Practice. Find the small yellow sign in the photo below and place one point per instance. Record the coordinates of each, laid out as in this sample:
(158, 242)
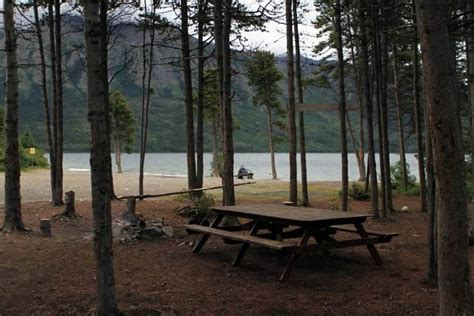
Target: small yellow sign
(32, 150)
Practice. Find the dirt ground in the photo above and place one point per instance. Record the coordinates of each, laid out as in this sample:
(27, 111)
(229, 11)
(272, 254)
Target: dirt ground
(55, 276)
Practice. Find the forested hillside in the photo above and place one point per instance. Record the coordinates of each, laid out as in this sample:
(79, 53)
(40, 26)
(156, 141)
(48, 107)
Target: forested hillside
(167, 107)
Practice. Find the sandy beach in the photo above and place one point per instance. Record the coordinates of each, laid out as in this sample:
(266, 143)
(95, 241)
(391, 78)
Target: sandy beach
(35, 185)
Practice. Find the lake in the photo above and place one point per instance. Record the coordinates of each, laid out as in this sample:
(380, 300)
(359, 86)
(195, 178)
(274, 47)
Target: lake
(321, 166)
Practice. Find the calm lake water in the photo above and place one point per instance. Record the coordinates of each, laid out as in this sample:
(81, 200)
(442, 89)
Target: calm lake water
(321, 166)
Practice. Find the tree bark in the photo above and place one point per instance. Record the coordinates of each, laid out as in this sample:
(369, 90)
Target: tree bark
(270, 141)
(384, 106)
(369, 108)
(200, 97)
(227, 124)
(470, 63)
(58, 192)
(100, 160)
(291, 103)
(188, 97)
(44, 93)
(13, 220)
(299, 88)
(70, 210)
(448, 157)
(52, 54)
(360, 155)
(146, 91)
(118, 155)
(218, 25)
(215, 150)
(376, 56)
(401, 132)
(418, 117)
(342, 108)
(431, 204)
(105, 69)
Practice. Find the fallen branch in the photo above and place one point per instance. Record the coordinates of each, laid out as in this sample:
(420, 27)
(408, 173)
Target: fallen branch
(148, 196)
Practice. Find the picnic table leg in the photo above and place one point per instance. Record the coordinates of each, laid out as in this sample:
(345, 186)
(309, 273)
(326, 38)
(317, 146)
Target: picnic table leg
(303, 241)
(245, 246)
(373, 251)
(205, 237)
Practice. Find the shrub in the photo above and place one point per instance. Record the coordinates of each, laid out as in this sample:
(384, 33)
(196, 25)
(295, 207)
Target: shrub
(396, 176)
(357, 192)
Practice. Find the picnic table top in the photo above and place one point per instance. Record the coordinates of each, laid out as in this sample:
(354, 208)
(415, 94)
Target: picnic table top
(291, 215)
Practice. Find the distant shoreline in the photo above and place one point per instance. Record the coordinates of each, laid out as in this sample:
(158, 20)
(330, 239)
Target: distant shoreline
(35, 184)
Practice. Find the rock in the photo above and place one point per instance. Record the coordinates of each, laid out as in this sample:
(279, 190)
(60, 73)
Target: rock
(142, 231)
(149, 233)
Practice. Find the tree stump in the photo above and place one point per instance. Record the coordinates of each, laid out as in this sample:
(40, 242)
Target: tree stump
(45, 227)
(130, 217)
(70, 210)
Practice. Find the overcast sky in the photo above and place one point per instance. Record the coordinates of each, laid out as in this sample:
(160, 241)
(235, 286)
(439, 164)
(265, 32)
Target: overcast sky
(274, 38)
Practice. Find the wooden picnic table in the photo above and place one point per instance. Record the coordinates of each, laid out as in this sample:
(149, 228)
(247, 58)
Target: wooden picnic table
(289, 228)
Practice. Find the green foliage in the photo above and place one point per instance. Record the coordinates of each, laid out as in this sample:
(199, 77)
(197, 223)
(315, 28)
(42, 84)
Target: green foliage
(357, 192)
(31, 157)
(122, 121)
(203, 204)
(29, 160)
(217, 163)
(26, 140)
(263, 76)
(396, 176)
(211, 96)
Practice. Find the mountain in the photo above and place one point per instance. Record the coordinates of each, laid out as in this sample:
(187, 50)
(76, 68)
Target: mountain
(167, 120)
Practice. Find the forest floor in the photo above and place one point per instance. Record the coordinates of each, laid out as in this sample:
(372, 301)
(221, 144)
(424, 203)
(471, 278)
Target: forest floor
(56, 275)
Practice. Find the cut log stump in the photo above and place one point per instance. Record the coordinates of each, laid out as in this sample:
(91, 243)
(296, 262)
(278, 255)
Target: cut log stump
(45, 227)
(70, 210)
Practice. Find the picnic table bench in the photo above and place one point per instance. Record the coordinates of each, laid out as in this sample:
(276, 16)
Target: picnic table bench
(289, 228)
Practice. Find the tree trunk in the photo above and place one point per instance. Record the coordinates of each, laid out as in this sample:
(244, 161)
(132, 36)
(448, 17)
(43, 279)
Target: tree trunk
(418, 116)
(470, 63)
(291, 103)
(227, 124)
(218, 25)
(44, 93)
(448, 158)
(188, 97)
(148, 72)
(369, 108)
(360, 155)
(431, 204)
(118, 155)
(215, 150)
(270, 141)
(52, 54)
(200, 97)
(58, 192)
(384, 107)
(299, 87)
(376, 56)
(13, 220)
(105, 69)
(106, 302)
(342, 108)
(401, 133)
(357, 155)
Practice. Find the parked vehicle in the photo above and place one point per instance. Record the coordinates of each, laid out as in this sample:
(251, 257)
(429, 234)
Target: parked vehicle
(243, 172)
